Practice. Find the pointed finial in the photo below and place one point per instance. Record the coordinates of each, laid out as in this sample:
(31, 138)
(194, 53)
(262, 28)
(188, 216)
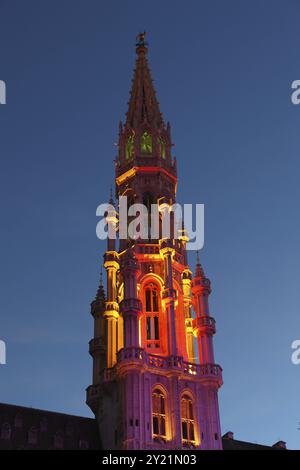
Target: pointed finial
(169, 130)
(100, 295)
(111, 199)
(120, 128)
(199, 270)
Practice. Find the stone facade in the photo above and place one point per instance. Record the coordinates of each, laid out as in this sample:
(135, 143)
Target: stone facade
(29, 428)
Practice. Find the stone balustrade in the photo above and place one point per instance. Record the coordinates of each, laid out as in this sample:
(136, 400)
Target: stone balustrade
(96, 344)
(205, 322)
(168, 164)
(93, 397)
(167, 363)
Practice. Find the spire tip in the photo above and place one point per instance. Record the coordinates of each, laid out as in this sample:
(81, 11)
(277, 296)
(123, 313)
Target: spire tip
(141, 44)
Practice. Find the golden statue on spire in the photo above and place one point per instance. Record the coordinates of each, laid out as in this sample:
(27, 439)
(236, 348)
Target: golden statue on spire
(140, 39)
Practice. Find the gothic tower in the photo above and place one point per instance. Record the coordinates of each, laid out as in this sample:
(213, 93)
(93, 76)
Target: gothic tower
(149, 390)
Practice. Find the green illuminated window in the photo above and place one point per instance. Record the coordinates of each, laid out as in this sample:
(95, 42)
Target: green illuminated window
(162, 147)
(129, 147)
(146, 143)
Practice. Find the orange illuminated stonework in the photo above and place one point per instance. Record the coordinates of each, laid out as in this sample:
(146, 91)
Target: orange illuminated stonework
(155, 380)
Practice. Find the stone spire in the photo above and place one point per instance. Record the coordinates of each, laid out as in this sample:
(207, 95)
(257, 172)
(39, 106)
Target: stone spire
(199, 270)
(143, 107)
(111, 199)
(144, 132)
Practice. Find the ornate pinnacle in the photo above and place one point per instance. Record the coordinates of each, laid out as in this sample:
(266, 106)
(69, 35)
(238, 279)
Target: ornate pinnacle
(111, 199)
(199, 270)
(100, 296)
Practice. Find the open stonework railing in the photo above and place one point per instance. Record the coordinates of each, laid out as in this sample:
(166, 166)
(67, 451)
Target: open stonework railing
(175, 363)
(147, 249)
(131, 354)
(205, 320)
(96, 344)
(93, 393)
(206, 323)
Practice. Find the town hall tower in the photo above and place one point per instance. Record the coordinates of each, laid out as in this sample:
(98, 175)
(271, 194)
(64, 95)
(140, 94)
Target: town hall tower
(155, 380)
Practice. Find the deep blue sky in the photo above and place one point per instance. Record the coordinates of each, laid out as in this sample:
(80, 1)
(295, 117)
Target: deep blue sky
(223, 72)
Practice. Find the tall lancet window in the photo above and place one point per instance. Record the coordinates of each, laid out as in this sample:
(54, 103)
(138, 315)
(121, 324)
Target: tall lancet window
(148, 201)
(146, 143)
(187, 420)
(158, 414)
(162, 147)
(152, 316)
(129, 147)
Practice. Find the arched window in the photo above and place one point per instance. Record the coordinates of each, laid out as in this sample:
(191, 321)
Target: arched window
(32, 436)
(129, 147)
(158, 414)
(152, 316)
(146, 143)
(43, 424)
(162, 147)
(18, 421)
(6, 431)
(58, 440)
(148, 201)
(187, 420)
(69, 426)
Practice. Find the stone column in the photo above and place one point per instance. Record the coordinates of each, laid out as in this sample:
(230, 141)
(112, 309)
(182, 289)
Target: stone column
(186, 287)
(111, 314)
(130, 306)
(203, 325)
(169, 294)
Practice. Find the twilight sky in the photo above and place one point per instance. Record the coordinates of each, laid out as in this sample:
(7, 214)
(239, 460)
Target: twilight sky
(222, 71)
